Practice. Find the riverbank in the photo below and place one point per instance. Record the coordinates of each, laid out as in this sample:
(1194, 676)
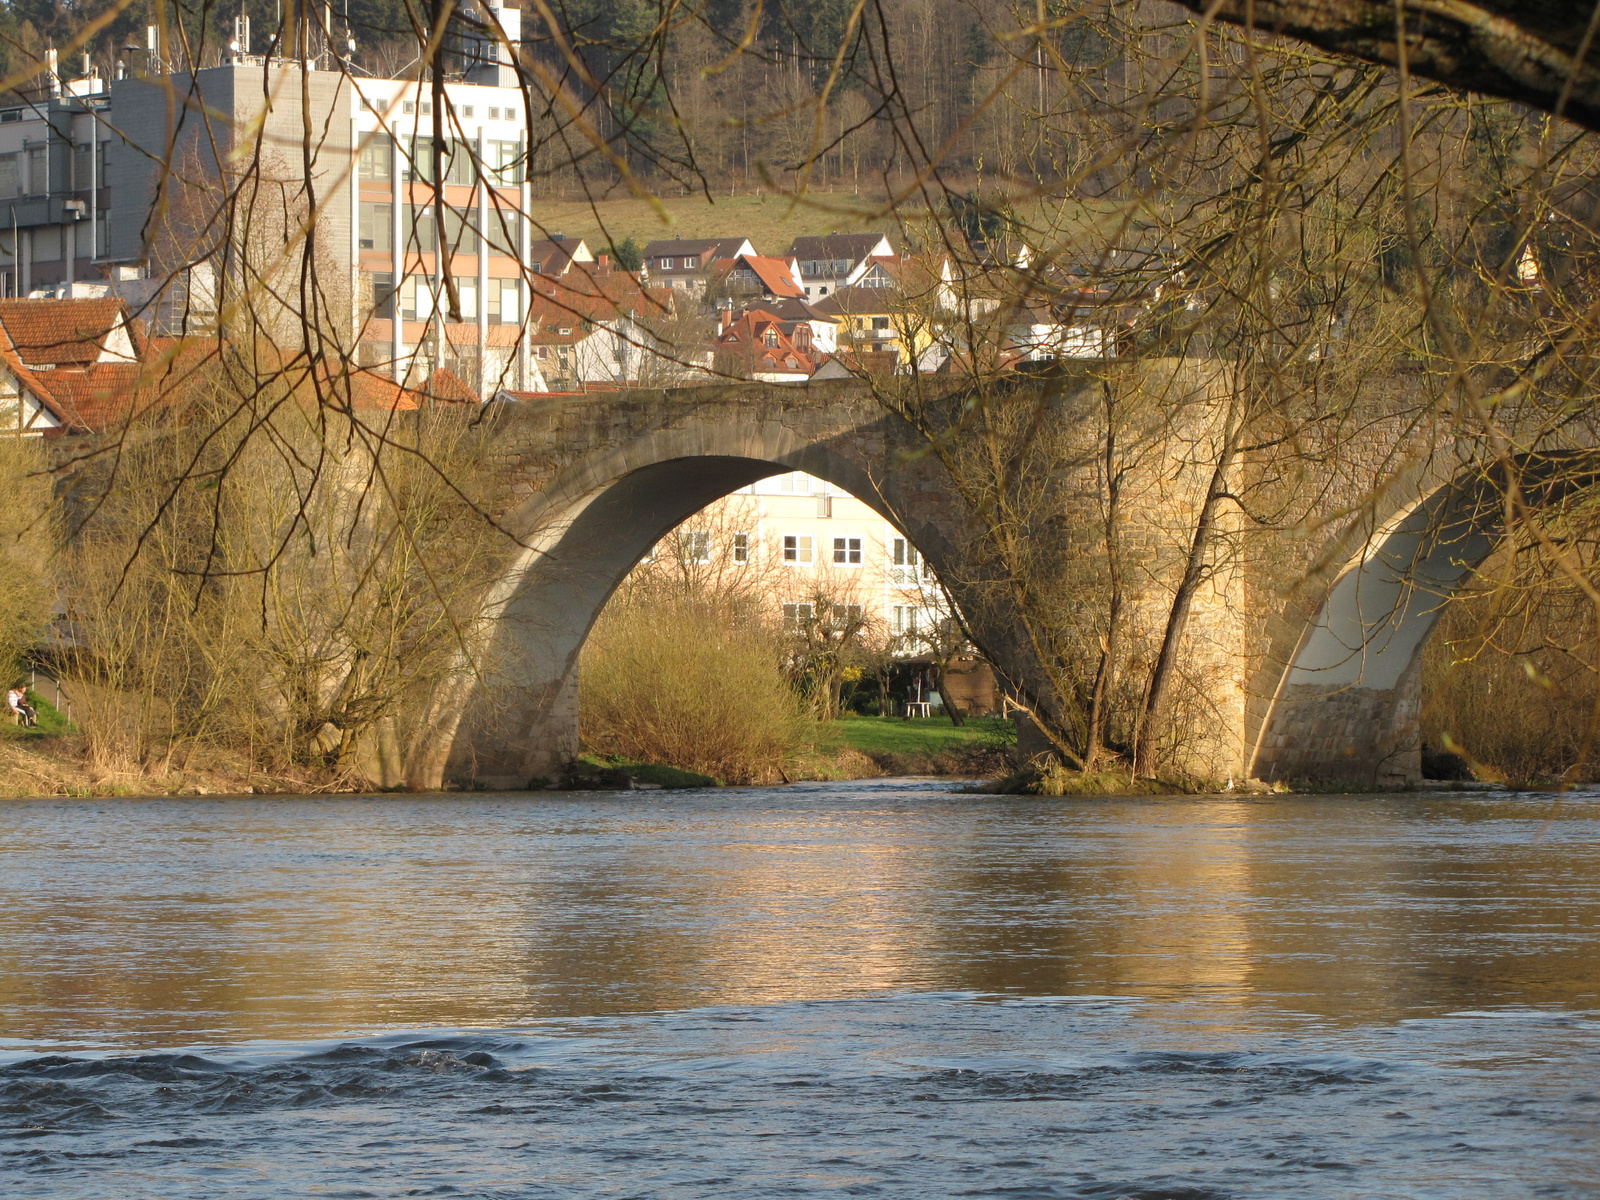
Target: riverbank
(52, 761)
(58, 766)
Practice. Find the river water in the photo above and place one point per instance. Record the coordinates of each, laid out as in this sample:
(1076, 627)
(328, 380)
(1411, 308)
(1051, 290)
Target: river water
(869, 989)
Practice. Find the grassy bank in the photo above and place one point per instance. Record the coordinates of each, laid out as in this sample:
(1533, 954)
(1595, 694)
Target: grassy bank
(852, 747)
(50, 761)
(855, 747)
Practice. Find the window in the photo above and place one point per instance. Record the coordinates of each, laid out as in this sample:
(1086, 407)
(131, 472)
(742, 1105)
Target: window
(772, 337)
(460, 159)
(82, 170)
(416, 298)
(466, 110)
(418, 234)
(741, 547)
(505, 302)
(38, 171)
(47, 243)
(880, 322)
(666, 264)
(822, 291)
(694, 545)
(460, 232)
(905, 619)
(904, 561)
(504, 234)
(375, 157)
(10, 175)
(427, 108)
(377, 226)
(505, 159)
(408, 108)
(796, 615)
(463, 165)
(847, 551)
(380, 300)
(846, 617)
(797, 547)
(494, 113)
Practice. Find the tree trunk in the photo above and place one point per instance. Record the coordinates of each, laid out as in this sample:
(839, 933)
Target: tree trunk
(1105, 671)
(1194, 574)
(941, 680)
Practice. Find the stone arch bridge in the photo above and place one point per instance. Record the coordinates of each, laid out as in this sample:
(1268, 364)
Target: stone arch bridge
(1319, 680)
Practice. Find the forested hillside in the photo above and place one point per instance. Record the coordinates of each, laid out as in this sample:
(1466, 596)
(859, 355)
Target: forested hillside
(717, 94)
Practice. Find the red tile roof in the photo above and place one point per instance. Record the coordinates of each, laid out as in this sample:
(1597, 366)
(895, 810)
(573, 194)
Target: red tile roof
(56, 332)
(772, 273)
(759, 341)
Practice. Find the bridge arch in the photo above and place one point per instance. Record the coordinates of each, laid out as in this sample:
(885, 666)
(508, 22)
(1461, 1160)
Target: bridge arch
(580, 533)
(1340, 696)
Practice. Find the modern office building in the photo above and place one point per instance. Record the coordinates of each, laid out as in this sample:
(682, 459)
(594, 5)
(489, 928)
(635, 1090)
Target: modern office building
(174, 189)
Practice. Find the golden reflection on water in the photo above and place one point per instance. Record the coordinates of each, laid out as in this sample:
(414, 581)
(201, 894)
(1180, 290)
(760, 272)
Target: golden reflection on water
(165, 922)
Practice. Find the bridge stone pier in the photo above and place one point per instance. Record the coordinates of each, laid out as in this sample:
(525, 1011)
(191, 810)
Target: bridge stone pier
(1318, 681)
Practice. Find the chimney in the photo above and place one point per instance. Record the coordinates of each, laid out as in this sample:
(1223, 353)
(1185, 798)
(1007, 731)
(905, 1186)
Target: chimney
(603, 262)
(724, 318)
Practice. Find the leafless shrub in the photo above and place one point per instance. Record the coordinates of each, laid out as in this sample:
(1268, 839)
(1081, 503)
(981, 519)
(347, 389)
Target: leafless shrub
(679, 679)
(27, 554)
(296, 608)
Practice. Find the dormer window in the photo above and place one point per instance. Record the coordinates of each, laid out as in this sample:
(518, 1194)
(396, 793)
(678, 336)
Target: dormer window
(772, 337)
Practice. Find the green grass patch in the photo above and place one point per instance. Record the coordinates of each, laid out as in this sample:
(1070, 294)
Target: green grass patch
(51, 722)
(917, 736)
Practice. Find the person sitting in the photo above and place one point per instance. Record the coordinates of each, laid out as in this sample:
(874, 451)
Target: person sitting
(21, 711)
